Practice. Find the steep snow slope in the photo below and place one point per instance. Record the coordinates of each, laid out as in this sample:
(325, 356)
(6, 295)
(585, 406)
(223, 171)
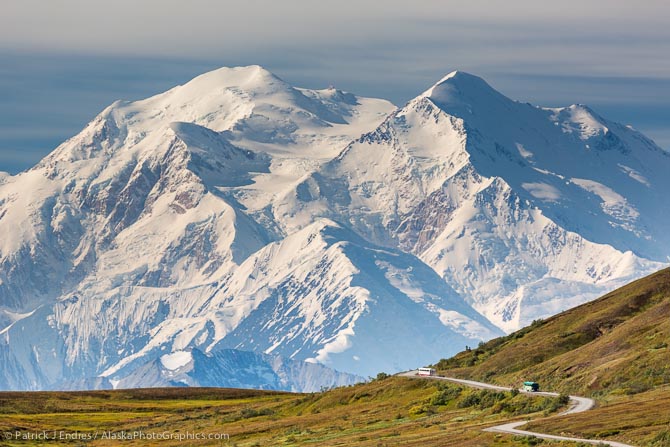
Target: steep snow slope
(525, 211)
(167, 163)
(592, 176)
(327, 295)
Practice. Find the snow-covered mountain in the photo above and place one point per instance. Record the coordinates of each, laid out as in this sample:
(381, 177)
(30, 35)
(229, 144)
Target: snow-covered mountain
(524, 211)
(232, 368)
(239, 212)
(229, 368)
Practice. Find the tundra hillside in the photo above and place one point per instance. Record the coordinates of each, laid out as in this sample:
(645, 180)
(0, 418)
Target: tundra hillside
(614, 349)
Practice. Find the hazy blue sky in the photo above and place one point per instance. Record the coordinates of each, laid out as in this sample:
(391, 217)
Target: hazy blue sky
(64, 61)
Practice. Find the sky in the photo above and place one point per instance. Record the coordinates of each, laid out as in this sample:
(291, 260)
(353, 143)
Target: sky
(62, 62)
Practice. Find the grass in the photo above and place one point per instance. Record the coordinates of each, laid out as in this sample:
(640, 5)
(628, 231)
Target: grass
(616, 344)
(614, 349)
(387, 412)
(641, 419)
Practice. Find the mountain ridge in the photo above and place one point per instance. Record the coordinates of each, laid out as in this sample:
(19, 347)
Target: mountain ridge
(423, 157)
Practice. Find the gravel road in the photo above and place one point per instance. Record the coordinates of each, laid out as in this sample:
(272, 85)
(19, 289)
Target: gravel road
(578, 404)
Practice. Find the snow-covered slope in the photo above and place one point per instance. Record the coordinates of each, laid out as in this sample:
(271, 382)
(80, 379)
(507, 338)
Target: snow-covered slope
(336, 299)
(235, 369)
(525, 211)
(148, 181)
(239, 212)
(322, 295)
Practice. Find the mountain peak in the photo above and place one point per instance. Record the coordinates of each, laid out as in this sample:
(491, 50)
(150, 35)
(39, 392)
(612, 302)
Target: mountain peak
(460, 80)
(243, 75)
(457, 75)
(250, 79)
(459, 91)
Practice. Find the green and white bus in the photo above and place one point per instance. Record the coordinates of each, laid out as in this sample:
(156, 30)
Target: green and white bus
(531, 387)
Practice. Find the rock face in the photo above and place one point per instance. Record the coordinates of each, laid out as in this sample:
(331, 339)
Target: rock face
(239, 212)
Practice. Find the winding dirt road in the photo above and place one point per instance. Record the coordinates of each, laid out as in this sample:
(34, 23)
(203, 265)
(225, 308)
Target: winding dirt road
(578, 404)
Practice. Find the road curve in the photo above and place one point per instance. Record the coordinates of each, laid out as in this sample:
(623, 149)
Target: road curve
(578, 404)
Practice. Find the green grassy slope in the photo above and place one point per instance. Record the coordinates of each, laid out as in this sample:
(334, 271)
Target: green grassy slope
(394, 411)
(615, 344)
(642, 419)
(614, 349)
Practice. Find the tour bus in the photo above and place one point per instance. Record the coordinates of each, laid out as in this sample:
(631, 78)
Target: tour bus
(426, 372)
(531, 386)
